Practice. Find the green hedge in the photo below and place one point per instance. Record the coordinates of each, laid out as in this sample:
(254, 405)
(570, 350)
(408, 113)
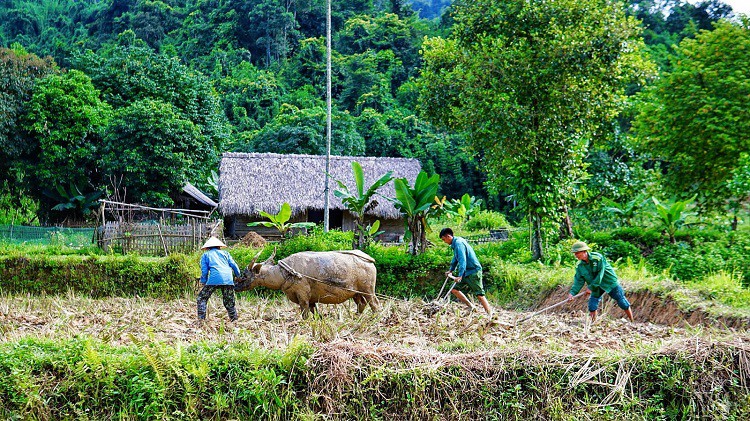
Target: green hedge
(697, 252)
(98, 276)
(402, 275)
(399, 273)
(84, 379)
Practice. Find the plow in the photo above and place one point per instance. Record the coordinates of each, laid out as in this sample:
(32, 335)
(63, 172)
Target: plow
(434, 306)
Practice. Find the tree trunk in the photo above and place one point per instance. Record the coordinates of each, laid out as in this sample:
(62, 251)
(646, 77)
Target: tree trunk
(537, 251)
(422, 235)
(566, 225)
(358, 239)
(415, 234)
(734, 222)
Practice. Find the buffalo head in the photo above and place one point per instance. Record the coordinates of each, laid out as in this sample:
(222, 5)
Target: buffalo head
(250, 276)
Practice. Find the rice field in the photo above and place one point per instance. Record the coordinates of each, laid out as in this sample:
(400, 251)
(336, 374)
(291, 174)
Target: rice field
(273, 323)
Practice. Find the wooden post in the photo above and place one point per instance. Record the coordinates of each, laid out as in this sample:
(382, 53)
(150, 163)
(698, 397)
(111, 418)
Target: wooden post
(163, 243)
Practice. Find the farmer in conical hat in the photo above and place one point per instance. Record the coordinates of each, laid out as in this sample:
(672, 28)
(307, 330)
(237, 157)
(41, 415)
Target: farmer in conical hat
(217, 268)
(594, 270)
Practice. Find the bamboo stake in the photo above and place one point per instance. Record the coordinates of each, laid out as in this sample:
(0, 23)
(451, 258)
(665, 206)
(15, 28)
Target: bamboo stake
(163, 243)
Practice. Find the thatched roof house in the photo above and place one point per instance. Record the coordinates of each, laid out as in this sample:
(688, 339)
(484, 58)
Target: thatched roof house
(251, 182)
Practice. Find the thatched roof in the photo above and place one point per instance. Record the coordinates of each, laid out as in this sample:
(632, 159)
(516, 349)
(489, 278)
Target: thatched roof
(251, 182)
(198, 195)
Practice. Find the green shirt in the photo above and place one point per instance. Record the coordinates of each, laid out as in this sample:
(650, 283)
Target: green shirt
(597, 273)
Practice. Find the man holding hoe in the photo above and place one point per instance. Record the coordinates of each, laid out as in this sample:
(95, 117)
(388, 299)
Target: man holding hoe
(467, 268)
(594, 270)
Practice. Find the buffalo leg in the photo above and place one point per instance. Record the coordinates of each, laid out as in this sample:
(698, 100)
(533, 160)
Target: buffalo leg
(304, 305)
(372, 300)
(361, 303)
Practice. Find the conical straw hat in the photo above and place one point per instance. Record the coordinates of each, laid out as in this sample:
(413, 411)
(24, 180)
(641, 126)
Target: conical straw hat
(213, 242)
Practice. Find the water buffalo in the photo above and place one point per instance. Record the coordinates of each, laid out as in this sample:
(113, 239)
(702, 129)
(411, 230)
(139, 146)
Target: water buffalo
(309, 277)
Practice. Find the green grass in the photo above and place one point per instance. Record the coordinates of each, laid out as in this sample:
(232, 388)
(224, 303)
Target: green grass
(84, 379)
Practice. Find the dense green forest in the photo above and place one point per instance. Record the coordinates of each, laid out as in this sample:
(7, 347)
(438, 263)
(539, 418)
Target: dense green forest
(541, 109)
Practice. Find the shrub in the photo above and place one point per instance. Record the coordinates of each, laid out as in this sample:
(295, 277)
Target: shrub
(404, 275)
(694, 236)
(645, 240)
(317, 240)
(21, 209)
(99, 276)
(619, 249)
(515, 249)
(687, 263)
(487, 220)
(598, 237)
(739, 259)
(559, 253)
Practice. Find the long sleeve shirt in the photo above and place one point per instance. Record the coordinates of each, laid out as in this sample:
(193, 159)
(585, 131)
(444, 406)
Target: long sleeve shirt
(464, 261)
(217, 267)
(597, 273)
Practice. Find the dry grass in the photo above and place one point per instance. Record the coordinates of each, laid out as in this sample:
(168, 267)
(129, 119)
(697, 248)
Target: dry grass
(274, 323)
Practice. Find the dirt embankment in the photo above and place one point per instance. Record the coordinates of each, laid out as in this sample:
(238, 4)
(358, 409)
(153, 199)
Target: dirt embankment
(647, 307)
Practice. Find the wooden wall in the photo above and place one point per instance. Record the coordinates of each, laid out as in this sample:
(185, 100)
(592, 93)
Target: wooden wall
(236, 226)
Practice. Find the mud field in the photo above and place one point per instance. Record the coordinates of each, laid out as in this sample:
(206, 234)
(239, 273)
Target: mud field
(273, 323)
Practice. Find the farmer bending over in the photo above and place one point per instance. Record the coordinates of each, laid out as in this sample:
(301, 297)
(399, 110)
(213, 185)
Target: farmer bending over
(594, 270)
(216, 273)
(467, 268)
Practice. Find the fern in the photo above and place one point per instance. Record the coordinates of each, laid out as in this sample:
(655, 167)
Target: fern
(153, 360)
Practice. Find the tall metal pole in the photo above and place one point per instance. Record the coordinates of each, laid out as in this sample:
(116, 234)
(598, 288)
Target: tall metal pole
(326, 221)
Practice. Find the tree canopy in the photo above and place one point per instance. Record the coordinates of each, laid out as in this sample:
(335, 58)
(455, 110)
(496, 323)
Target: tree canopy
(521, 101)
(696, 119)
(533, 126)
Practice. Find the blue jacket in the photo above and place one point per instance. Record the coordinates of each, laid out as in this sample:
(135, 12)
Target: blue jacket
(217, 267)
(464, 261)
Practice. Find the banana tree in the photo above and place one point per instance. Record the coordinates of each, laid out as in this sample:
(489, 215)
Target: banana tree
(466, 207)
(212, 181)
(442, 207)
(415, 204)
(73, 202)
(360, 201)
(626, 211)
(673, 216)
(280, 221)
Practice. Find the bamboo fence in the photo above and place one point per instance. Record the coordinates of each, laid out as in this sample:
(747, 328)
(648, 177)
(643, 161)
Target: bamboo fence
(156, 238)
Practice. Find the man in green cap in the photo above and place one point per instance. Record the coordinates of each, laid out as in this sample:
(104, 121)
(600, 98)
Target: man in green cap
(594, 270)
